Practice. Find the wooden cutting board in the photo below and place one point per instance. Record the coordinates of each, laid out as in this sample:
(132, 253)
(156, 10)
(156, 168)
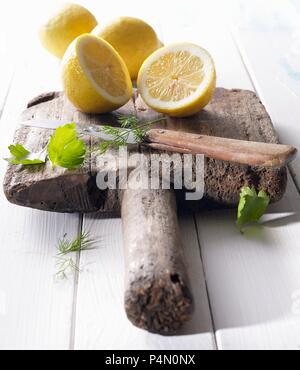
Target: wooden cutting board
(237, 114)
(157, 293)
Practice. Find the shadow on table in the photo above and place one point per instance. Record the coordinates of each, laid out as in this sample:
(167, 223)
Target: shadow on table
(251, 276)
(254, 231)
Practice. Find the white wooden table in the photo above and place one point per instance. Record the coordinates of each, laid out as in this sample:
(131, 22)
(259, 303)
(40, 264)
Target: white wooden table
(246, 287)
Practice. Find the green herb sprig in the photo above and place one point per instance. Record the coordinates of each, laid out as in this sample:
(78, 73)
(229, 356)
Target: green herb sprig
(129, 125)
(65, 148)
(252, 206)
(20, 155)
(67, 265)
(81, 243)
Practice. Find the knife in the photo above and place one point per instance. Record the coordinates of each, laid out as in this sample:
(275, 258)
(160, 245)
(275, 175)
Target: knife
(244, 152)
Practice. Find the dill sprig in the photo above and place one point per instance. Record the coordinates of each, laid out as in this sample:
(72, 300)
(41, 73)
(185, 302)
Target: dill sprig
(67, 265)
(82, 242)
(129, 125)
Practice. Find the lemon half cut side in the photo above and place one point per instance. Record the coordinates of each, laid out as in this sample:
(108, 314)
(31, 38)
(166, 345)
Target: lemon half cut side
(178, 79)
(94, 76)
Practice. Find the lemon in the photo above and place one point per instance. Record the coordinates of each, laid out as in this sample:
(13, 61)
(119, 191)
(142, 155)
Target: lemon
(95, 78)
(178, 79)
(133, 39)
(63, 27)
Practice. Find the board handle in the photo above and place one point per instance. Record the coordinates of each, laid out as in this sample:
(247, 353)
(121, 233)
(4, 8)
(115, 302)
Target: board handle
(236, 151)
(157, 291)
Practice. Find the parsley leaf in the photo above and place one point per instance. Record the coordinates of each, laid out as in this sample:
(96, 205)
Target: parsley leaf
(251, 206)
(20, 155)
(65, 149)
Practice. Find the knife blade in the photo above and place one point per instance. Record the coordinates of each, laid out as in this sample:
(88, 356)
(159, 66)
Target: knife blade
(90, 129)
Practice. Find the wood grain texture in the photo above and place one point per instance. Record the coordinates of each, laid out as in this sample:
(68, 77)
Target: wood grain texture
(236, 114)
(43, 187)
(157, 290)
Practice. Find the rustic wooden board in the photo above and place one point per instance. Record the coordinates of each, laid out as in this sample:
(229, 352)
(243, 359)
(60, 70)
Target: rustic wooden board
(234, 113)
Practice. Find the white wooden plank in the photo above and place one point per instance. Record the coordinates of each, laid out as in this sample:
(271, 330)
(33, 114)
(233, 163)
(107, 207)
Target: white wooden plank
(101, 321)
(36, 310)
(268, 36)
(252, 277)
(7, 66)
(6, 71)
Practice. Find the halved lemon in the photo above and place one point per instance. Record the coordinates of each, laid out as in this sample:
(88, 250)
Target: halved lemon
(95, 78)
(178, 79)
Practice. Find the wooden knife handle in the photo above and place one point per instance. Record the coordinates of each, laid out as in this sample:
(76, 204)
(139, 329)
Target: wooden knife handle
(237, 151)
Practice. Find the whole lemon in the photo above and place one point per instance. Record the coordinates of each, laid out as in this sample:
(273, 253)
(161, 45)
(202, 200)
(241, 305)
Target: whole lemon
(133, 39)
(70, 21)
